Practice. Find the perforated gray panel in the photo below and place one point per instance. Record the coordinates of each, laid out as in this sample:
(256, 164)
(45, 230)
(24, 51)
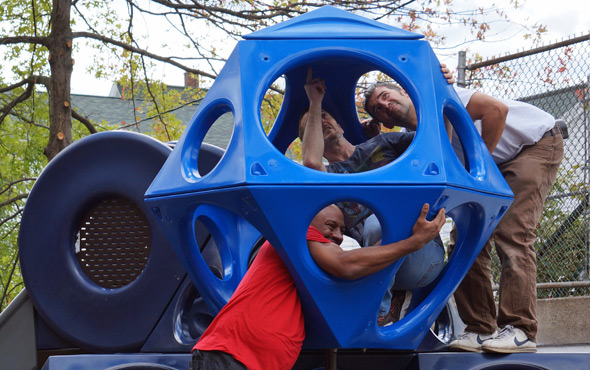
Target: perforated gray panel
(114, 242)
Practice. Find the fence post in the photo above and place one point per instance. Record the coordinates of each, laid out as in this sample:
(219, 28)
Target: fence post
(461, 67)
(585, 102)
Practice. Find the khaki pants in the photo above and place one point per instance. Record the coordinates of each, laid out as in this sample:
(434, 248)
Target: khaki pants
(530, 175)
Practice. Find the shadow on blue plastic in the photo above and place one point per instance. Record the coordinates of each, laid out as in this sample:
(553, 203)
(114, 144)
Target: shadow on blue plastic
(255, 190)
(179, 328)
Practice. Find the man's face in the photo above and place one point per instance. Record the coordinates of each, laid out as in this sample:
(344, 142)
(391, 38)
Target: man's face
(392, 108)
(330, 128)
(330, 222)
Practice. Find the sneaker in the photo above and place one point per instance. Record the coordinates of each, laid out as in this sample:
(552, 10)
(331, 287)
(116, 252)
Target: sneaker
(510, 340)
(396, 310)
(470, 342)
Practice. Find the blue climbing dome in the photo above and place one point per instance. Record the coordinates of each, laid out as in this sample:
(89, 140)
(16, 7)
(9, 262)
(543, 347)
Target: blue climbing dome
(255, 190)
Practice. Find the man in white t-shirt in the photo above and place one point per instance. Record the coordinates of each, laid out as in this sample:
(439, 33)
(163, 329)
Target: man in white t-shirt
(527, 146)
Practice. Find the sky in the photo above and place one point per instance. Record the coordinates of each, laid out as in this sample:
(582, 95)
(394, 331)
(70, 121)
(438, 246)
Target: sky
(563, 19)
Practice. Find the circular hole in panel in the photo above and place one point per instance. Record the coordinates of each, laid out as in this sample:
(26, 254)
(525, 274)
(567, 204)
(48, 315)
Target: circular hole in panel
(220, 132)
(356, 132)
(192, 317)
(270, 109)
(272, 101)
(448, 325)
(466, 151)
(347, 74)
(350, 233)
(353, 225)
(208, 248)
(255, 250)
(384, 99)
(210, 135)
(113, 242)
(222, 237)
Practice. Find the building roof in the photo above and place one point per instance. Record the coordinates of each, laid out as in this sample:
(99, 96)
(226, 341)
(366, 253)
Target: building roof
(122, 112)
(556, 102)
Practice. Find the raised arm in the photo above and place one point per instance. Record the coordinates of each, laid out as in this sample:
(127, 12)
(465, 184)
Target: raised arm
(360, 262)
(492, 114)
(312, 141)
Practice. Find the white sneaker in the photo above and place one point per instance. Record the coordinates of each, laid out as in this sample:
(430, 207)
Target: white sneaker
(510, 340)
(471, 342)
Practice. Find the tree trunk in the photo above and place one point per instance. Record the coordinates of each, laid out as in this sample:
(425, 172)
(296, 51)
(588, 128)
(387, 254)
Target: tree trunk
(60, 63)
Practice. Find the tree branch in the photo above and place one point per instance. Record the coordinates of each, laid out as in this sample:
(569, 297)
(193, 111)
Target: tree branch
(18, 212)
(254, 14)
(31, 81)
(34, 79)
(22, 97)
(14, 263)
(8, 186)
(141, 52)
(39, 40)
(85, 121)
(14, 199)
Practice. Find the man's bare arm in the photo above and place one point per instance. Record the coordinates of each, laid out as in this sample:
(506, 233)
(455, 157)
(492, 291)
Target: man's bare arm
(360, 262)
(312, 144)
(492, 114)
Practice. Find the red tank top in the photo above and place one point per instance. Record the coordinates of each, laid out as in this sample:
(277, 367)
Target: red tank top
(262, 324)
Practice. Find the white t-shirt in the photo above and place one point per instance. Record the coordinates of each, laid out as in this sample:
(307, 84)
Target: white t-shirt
(525, 125)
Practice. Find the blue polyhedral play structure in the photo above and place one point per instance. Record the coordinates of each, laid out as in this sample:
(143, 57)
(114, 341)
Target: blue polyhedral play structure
(255, 188)
(129, 248)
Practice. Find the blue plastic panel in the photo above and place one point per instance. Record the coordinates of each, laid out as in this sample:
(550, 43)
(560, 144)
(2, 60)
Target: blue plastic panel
(256, 190)
(82, 312)
(120, 362)
(345, 361)
(514, 361)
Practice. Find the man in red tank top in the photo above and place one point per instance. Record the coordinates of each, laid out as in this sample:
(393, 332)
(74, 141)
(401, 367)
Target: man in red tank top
(262, 327)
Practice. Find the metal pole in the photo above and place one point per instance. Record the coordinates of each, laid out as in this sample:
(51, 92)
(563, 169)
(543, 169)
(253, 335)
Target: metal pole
(556, 45)
(330, 359)
(556, 285)
(461, 68)
(585, 103)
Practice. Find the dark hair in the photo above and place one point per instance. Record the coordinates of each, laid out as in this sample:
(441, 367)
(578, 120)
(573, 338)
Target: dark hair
(371, 90)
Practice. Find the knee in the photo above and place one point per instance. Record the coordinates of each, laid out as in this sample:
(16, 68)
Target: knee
(371, 231)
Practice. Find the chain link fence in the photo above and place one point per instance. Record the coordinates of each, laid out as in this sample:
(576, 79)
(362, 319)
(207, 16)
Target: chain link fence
(555, 78)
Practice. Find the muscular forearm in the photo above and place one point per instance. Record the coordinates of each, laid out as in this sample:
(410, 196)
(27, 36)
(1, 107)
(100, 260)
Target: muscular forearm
(492, 113)
(372, 259)
(361, 262)
(312, 146)
(492, 127)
